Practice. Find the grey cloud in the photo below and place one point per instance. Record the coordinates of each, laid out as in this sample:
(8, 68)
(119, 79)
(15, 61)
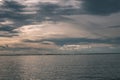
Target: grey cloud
(8, 35)
(66, 41)
(12, 11)
(85, 40)
(6, 28)
(53, 12)
(101, 7)
(92, 7)
(115, 26)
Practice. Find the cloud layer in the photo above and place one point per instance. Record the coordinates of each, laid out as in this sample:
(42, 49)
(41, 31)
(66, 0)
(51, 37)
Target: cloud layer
(57, 25)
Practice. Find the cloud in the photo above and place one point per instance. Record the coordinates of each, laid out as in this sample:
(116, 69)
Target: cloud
(85, 40)
(102, 7)
(89, 48)
(115, 26)
(79, 47)
(50, 11)
(98, 25)
(54, 12)
(47, 30)
(21, 14)
(6, 28)
(58, 22)
(81, 7)
(11, 10)
(11, 16)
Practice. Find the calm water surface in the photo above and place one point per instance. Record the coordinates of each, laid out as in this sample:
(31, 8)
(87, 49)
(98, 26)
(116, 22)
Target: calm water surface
(60, 67)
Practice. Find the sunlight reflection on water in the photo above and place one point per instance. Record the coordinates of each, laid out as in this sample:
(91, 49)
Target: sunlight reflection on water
(60, 67)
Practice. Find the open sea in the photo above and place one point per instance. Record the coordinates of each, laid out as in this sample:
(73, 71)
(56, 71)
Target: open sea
(60, 67)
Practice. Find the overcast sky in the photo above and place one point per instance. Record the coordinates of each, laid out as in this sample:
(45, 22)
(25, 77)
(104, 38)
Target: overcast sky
(59, 26)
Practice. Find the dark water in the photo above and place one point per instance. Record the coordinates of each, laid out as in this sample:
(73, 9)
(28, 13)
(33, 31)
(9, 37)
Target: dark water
(60, 67)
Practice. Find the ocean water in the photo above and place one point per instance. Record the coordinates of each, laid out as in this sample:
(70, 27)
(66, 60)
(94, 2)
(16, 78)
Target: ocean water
(60, 67)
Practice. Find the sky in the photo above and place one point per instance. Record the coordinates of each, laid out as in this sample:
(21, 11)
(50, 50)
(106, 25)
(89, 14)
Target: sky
(59, 26)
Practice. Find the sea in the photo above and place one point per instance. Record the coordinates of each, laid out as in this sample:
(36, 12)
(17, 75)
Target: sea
(60, 67)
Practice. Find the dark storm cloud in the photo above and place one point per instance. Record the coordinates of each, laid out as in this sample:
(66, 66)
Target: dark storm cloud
(101, 7)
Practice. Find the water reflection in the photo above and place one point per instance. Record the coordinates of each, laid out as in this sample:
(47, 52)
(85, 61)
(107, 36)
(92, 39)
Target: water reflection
(10, 68)
(82, 67)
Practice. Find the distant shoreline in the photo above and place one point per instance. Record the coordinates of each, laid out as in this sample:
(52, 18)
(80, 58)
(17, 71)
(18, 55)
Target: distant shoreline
(57, 54)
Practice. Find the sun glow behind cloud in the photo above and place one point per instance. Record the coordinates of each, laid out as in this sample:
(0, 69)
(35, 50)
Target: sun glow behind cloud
(51, 30)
